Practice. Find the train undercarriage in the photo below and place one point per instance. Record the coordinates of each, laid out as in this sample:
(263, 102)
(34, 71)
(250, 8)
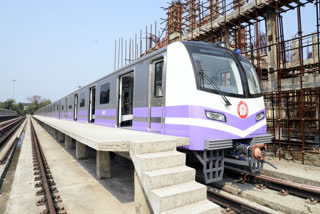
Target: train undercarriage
(245, 154)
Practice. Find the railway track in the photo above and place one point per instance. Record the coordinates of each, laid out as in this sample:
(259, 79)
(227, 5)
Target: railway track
(312, 193)
(7, 128)
(42, 173)
(6, 132)
(7, 144)
(284, 187)
(231, 205)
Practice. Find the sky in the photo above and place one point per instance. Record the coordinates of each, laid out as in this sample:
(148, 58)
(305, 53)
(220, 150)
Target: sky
(52, 47)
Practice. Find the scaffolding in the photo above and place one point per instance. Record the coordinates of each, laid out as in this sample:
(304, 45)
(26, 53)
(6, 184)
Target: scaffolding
(288, 71)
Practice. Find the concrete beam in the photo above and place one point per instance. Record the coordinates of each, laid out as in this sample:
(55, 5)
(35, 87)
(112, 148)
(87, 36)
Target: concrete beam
(81, 151)
(68, 142)
(103, 164)
(140, 199)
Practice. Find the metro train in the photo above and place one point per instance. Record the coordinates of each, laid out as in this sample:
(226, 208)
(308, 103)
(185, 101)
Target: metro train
(199, 90)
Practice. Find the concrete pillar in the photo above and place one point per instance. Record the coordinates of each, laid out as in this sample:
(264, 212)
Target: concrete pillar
(315, 50)
(226, 37)
(295, 55)
(56, 134)
(51, 131)
(68, 142)
(140, 199)
(272, 48)
(103, 164)
(60, 137)
(81, 151)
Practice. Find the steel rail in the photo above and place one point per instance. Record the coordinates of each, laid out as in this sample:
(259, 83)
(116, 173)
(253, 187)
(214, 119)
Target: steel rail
(297, 189)
(8, 121)
(45, 183)
(13, 144)
(9, 155)
(3, 157)
(6, 135)
(235, 205)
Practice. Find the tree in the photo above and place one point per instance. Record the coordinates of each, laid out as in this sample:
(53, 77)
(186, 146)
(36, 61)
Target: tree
(36, 103)
(8, 104)
(11, 105)
(36, 99)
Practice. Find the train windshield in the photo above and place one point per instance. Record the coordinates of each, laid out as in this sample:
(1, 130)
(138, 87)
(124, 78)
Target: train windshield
(252, 78)
(216, 69)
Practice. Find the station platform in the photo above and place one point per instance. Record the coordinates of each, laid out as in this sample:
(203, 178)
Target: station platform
(291, 171)
(79, 191)
(102, 138)
(162, 182)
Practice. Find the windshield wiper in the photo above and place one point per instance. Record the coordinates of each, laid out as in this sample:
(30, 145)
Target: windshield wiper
(206, 77)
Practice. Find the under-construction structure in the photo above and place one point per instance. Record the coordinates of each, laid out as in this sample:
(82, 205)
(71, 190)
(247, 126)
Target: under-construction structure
(287, 61)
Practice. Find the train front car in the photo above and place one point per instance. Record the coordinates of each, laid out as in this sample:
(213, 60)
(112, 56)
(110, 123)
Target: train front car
(214, 98)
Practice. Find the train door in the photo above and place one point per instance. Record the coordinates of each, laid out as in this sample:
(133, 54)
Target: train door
(92, 104)
(126, 88)
(156, 96)
(75, 108)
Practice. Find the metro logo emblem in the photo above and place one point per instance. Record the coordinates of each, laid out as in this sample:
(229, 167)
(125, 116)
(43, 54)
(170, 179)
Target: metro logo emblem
(243, 109)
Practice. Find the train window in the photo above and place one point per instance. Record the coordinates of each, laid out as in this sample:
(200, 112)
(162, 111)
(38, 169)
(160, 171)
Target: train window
(217, 70)
(158, 89)
(253, 80)
(70, 103)
(105, 93)
(82, 100)
(62, 107)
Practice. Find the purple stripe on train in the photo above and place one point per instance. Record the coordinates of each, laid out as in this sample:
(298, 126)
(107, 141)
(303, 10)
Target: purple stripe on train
(83, 113)
(157, 111)
(197, 112)
(140, 126)
(102, 122)
(106, 112)
(140, 112)
(198, 135)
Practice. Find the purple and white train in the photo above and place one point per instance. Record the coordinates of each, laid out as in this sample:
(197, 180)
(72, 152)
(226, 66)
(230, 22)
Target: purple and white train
(202, 91)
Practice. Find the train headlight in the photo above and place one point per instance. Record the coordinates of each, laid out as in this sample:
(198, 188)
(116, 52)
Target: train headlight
(260, 116)
(216, 116)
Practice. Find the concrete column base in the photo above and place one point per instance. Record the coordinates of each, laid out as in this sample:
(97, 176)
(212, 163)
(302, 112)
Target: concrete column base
(55, 134)
(50, 130)
(68, 142)
(81, 151)
(60, 137)
(103, 164)
(140, 199)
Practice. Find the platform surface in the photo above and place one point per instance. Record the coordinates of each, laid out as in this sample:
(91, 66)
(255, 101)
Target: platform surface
(102, 138)
(296, 172)
(79, 191)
